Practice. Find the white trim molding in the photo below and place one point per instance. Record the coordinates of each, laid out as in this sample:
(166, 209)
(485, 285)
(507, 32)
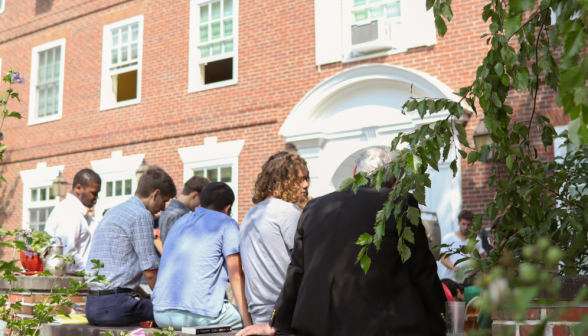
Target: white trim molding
(107, 95)
(40, 177)
(34, 80)
(116, 168)
(213, 154)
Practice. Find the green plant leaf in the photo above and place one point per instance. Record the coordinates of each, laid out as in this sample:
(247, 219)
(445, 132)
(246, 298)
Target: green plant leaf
(365, 263)
(512, 23)
(499, 68)
(460, 129)
(364, 239)
(422, 108)
(403, 250)
(440, 25)
(509, 161)
(518, 6)
(414, 215)
(414, 162)
(411, 105)
(360, 180)
(496, 100)
(361, 253)
(346, 184)
(408, 235)
(453, 167)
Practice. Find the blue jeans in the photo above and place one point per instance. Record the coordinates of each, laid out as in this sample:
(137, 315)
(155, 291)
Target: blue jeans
(176, 318)
(122, 309)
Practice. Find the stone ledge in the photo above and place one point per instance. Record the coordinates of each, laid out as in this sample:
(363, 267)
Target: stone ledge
(42, 283)
(89, 330)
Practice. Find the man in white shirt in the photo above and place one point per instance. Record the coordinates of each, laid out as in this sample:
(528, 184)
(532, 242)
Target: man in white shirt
(68, 219)
(457, 239)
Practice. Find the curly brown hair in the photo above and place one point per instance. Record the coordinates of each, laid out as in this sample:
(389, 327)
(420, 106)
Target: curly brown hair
(279, 178)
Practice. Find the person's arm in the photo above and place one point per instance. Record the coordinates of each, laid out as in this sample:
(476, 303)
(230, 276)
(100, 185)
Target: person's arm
(151, 277)
(68, 230)
(237, 279)
(447, 263)
(423, 271)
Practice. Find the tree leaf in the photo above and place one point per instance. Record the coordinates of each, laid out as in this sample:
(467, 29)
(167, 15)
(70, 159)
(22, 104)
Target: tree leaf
(403, 250)
(360, 180)
(494, 28)
(361, 253)
(463, 153)
(408, 235)
(460, 129)
(499, 68)
(505, 80)
(573, 38)
(430, 4)
(15, 115)
(346, 184)
(446, 12)
(365, 263)
(512, 23)
(419, 195)
(518, 6)
(414, 161)
(509, 161)
(431, 106)
(453, 167)
(414, 215)
(440, 25)
(422, 107)
(364, 239)
(496, 100)
(411, 105)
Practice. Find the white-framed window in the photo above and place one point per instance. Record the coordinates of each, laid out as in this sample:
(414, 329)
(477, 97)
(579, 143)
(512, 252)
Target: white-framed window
(2, 6)
(46, 99)
(219, 162)
(119, 180)
(213, 44)
(38, 198)
(122, 55)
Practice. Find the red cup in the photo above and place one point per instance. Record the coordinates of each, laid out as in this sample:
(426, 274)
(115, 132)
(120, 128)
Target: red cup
(146, 324)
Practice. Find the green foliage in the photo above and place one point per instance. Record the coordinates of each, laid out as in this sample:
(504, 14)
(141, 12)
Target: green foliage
(165, 332)
(543, 204)
(4, 113)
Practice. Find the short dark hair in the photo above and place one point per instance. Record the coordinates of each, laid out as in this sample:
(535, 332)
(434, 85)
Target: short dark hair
(156, 178)
(195, 183)
(465, 214)
(85, 178)
(216, 196)
(453, 286)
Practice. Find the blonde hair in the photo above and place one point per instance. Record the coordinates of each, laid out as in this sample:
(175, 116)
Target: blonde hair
(279, 178)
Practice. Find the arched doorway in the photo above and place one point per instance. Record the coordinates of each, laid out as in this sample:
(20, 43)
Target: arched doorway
(361, 107)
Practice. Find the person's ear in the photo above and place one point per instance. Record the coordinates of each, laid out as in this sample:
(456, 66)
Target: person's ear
(194, 195)
(156, 193)
(227, 210)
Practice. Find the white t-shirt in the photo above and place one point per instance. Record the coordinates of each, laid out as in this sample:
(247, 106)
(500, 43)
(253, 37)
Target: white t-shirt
(452, 238)
(267, 239)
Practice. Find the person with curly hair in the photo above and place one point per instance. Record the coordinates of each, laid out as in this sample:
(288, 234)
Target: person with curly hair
(267, 232)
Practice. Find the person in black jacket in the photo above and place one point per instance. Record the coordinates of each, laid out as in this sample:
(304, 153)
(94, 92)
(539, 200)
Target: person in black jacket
(326, 293)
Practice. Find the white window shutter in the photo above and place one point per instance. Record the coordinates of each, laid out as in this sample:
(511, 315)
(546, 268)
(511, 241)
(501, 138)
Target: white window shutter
(418, 24)
(328, 31)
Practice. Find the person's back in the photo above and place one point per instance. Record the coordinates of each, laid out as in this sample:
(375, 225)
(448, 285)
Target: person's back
(393, 298)
(267, 237)
(201, 253)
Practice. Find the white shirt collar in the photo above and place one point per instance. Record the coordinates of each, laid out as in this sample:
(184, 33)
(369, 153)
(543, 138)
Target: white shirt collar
(75, 203)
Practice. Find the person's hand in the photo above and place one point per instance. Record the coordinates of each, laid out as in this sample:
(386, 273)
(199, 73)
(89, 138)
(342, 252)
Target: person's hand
(257, 329)
(455, 268)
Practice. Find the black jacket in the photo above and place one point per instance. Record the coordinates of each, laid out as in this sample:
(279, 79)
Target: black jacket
(326, 293)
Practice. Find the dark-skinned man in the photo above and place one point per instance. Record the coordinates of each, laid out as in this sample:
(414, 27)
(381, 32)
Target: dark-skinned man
(68, 219)
(123, 242)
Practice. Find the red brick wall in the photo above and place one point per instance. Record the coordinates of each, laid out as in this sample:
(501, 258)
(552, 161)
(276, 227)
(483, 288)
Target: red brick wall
(276, 69)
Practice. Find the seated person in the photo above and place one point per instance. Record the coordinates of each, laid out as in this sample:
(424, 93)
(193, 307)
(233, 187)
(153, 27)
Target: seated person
(457, 290)
(124, 243)
(200, 253)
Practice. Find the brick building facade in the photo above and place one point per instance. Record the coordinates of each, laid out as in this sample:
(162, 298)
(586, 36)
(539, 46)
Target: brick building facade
(215, 87)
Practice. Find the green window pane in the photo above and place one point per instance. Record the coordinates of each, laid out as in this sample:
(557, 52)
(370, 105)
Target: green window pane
(377, 12)
(361, 15)
(228, 27)
(216, 30)
(115, 37)
(42, 67)
(34, 195)
(51, 195)
(226, 174)
(372, 1)
(215, 12)
(227, 8)
(205, 51)
(199, 173)
(358, 2)
(134, 51)
(34, 218)
(125, 35)
(42, 100)
(49, 103)
(212, 174)
(229, 46)
(135, 32)
(114, 56)
(217, 48)
(204, 14)
(128, 187)
(42, 194)
(204, 33)
(49, 67)
(56, 68)
(42, 216)
(124, 55)
(393, 9)
(118, 188)
(108, 189)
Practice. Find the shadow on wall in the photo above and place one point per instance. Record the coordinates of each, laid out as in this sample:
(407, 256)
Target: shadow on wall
(7, 207)
(43, 6)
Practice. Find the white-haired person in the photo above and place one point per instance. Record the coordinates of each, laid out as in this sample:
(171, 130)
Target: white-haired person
(326, 293)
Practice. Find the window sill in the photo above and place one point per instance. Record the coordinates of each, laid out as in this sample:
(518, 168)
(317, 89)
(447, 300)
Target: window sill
(350, 59)
(43, 120)
(121, 104)
(212, 86)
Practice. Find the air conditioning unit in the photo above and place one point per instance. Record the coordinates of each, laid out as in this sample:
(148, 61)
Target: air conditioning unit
(370, 37)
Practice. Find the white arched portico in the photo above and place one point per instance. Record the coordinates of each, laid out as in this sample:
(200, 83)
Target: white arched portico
(361, 107)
